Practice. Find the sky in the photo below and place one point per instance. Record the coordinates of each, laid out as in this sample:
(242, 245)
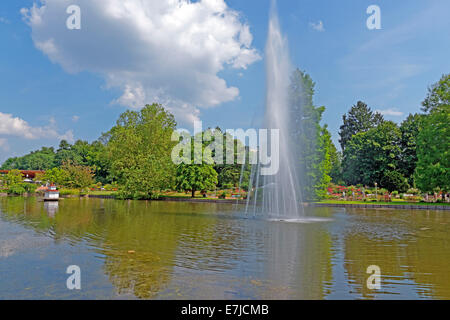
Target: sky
(204, 60)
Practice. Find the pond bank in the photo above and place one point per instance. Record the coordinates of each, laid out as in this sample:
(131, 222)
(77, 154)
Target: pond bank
(314, 204)
(380, 206)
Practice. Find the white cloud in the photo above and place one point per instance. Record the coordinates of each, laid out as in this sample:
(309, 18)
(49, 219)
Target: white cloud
(14, 126)
(390, 112)
(317, 26)
(155, 51)
(4, 20)
(75, 118)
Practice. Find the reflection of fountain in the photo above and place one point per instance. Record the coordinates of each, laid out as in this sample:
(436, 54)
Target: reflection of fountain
(51, 207)
(282, 200)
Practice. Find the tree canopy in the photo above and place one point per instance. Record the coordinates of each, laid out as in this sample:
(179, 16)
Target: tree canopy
(360, 118)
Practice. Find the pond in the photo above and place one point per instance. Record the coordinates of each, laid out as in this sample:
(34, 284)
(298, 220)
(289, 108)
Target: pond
(183, 250)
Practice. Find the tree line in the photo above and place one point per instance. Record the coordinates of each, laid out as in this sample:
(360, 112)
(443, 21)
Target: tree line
(414, 154)
(135, 154)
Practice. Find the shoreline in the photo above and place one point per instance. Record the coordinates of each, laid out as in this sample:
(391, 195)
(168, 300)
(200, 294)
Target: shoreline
(308, 204)
(418, 206)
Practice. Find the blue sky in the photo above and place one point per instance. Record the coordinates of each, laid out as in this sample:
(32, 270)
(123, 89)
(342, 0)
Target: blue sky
(69, 87)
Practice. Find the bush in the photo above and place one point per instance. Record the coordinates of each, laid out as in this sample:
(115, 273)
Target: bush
(16, 189)
(394, 180)
(394, 193)
(413, 191)
(30, 188)
(223, 195)
(69, 192)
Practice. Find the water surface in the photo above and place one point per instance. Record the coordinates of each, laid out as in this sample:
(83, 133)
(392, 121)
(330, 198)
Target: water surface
(181, 250)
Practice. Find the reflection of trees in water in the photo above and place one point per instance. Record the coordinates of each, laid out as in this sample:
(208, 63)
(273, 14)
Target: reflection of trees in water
(138, 239)
(405, 245)
(142, 274)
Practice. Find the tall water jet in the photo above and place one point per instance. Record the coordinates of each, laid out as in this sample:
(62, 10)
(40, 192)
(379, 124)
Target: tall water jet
(279, 194)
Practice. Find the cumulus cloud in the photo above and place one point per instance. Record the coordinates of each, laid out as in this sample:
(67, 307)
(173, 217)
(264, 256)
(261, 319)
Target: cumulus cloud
(154, 51)
(317, 26)
(390, 112)
(14, 126)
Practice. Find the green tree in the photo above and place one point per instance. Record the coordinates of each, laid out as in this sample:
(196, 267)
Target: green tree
(139, 149)
(370, 154)
(14, 177)
(409, 129)
(196, 177)
(77, 176)
(433, 142)
(43, 159)
(394, 181)
(336, 165)
(360, 118)
(314, 143)
(57, 176)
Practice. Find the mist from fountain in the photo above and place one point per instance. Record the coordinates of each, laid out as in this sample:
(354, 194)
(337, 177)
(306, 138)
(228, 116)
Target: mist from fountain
(277, 196)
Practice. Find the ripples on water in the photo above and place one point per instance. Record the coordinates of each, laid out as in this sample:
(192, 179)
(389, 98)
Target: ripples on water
(178, 250)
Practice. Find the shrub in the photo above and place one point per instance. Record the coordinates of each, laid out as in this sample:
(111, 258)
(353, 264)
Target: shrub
(69, 192)
(223, 195)
(413, 191)
(16, 189)
(30, 188)
(394, 180)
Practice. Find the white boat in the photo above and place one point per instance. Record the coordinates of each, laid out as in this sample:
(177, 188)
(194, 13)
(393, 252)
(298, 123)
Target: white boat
(51, 194)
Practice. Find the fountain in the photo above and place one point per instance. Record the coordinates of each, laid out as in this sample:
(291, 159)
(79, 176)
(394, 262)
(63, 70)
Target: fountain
(277, 196)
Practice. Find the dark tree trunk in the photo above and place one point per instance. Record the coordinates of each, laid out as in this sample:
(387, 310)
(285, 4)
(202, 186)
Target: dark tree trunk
(193, 193)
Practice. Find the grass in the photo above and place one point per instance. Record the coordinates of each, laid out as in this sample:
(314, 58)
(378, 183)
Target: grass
(102, 193)
(395, 202)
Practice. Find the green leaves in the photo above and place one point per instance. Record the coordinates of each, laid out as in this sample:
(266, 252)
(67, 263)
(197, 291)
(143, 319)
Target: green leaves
(433, 142)
(370, 154)
(139, 151)
(315, 145)
(360, 118)
(196, 177)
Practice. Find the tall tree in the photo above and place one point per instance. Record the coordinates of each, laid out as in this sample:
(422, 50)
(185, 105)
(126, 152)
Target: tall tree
(409, 129)
(313, 139)
(139, 148)
(360, 118)
(336, 165)
(433, 142)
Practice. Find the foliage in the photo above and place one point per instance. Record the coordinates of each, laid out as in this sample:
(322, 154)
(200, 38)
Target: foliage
(30, 187)
(438, 97)
(413, 191)
(370, 154)
(57, 176)
(314, 155)
(43, 159)
(77, 176)
(196, 177)
(14, 177)
(409, 129)
(16, 189)
(394, 180)
(336, 165)
(433, 142)
(139, 149)
(360, 118)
